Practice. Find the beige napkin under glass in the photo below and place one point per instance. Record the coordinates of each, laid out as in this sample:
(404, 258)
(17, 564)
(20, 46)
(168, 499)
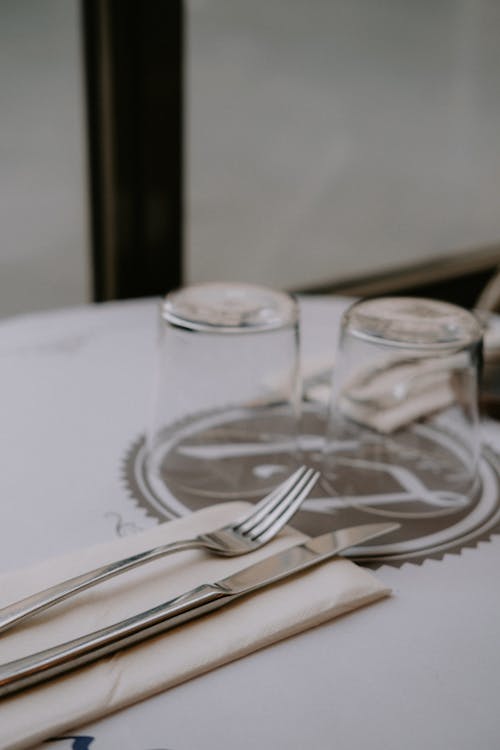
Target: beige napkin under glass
(166, 660)
(387, 399)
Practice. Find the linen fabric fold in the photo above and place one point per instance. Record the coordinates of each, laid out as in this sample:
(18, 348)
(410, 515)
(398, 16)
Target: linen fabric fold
(377, 404)
(117, 681)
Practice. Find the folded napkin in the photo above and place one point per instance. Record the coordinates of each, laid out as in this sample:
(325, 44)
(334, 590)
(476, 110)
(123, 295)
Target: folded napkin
(117, 681)
(386, 399)
(390, 399)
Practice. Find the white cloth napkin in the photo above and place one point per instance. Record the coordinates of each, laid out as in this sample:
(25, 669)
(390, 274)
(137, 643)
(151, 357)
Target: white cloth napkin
(388, 399)
(178, 655)
(399, 395)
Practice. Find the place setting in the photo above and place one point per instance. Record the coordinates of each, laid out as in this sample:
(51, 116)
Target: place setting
(395, 432)
(278, 498)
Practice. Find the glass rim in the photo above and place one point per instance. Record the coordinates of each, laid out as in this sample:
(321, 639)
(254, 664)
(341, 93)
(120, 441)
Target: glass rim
(229, 308)
(412, 323)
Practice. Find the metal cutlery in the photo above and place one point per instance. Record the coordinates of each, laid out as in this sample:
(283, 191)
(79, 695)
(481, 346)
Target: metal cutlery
(36, 668)
(249, 533)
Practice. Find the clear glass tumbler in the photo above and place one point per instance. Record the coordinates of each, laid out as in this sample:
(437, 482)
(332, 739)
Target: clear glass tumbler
(227, 402)
(402, 436)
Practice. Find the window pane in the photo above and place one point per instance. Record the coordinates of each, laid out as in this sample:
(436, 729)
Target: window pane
(335, 138)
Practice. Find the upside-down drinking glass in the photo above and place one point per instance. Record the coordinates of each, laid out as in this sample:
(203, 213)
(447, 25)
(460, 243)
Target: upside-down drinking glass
(403, 433)
(227, 401)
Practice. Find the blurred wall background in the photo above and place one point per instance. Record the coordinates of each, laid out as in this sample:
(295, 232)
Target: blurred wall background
(323, 140)
(43, 199)
(340, 137)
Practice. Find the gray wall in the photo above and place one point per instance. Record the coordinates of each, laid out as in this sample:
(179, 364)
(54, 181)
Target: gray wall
(324, 139)
(43, 211)
(331, 138)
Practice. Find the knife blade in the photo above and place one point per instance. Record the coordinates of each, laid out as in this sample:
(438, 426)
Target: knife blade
(31, 670)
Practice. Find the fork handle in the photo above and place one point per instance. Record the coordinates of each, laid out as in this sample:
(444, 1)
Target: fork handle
(14, 613)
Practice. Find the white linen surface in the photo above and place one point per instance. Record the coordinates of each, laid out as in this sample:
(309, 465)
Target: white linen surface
(112, 683)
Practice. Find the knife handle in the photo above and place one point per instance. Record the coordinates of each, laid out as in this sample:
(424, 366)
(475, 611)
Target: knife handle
(41, 666)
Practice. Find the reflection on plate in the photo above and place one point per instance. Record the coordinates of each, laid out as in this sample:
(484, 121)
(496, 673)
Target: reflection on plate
(230, 453)
(433, 523)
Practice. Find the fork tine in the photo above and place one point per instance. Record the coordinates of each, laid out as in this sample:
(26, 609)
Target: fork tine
(273, 513)
(269, 502)
(275, 509)
(271, 528)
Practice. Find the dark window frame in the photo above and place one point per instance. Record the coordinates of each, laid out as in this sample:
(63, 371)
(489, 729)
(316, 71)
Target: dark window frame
(133, 67)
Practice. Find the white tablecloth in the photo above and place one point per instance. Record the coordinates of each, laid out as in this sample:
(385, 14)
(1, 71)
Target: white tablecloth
(420, 671)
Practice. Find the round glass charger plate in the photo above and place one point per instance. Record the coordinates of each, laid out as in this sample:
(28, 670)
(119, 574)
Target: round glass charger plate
(430, 528)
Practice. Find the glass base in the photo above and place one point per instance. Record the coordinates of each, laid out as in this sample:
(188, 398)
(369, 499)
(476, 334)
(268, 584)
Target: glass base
(225, 454)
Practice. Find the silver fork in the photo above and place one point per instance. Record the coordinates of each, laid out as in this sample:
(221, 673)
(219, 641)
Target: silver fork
(263, 522)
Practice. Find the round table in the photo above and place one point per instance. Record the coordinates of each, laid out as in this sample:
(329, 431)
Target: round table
(419, 670)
